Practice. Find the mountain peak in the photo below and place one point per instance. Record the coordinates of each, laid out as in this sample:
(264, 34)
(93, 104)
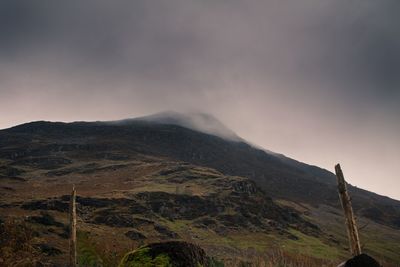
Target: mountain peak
(197, 121)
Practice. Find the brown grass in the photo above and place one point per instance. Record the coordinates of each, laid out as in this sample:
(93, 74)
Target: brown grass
(17, 247)
(277, 258)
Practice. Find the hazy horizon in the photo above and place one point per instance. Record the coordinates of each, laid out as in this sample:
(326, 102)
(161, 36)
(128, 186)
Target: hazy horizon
(317, 81)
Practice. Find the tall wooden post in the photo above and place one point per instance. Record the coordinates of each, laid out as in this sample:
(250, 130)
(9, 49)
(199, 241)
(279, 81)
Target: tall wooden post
(72, 221)
(352, 231)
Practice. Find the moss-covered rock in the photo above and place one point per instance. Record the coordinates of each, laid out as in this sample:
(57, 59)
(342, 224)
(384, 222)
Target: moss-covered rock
(143, 258)
(167, 254)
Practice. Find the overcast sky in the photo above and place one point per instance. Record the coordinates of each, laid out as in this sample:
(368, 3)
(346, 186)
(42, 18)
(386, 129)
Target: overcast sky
(316, 80)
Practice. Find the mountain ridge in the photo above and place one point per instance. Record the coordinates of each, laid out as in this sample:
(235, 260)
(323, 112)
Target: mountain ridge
(178, 119)
(232, 157)
(150, 181)
(186, 121)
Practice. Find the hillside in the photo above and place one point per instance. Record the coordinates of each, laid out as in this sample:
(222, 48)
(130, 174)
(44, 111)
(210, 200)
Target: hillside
(160, 178)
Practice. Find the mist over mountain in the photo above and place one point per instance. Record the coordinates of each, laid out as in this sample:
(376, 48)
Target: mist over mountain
(201, 122)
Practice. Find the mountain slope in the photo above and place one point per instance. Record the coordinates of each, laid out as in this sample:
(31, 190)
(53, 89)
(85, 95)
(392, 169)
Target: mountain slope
(279, 176)
(168, 174)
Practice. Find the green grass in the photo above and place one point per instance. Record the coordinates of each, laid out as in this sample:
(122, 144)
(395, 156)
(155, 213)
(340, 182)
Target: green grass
(87, 253)
(385, 247)
(142, 258)
(309, 245)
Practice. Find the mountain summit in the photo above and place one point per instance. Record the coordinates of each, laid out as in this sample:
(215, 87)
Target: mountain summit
(196, 121)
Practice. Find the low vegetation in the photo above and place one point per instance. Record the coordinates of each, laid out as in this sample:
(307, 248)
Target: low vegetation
(19, 244)
(142, 258)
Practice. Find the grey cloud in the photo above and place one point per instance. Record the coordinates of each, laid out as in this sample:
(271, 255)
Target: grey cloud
(333, 41)
(293, 76)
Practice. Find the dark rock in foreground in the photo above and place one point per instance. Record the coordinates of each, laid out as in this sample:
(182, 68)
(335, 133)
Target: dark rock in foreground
(362, 260)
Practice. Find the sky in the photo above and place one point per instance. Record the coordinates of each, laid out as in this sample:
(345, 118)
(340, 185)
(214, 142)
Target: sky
(316, 80)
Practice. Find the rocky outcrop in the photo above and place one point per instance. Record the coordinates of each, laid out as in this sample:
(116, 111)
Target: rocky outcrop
(135, 235)
(241, 205)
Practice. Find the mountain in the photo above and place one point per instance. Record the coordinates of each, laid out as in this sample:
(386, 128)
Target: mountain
(201, 122)
(181, 176)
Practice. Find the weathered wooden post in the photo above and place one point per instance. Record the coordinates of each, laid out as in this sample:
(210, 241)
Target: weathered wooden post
(352, 231)
(72, 223)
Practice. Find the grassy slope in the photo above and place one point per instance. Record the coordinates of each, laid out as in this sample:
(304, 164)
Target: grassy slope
(380, 241)
(143, 174)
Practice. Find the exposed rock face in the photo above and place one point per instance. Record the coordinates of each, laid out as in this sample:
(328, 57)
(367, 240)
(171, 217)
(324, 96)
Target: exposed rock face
(165, 232)
(244, 187)
(8, 171)
(45, 219)
(237, 204)
(135, 235)
(47, 204)
(173, 253)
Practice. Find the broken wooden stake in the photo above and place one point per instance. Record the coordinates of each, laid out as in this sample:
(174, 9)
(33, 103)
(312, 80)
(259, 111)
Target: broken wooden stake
(352, 231)
(72, 223)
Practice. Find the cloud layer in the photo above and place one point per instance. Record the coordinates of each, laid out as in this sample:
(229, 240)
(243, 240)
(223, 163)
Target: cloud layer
(316, 80)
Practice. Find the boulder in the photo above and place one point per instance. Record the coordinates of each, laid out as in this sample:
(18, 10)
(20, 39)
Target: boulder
(362, 260)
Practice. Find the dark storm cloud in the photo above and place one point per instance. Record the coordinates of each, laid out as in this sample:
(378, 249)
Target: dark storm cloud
(332, 41)
(128, 35)
(275, 71)
(361, 41)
